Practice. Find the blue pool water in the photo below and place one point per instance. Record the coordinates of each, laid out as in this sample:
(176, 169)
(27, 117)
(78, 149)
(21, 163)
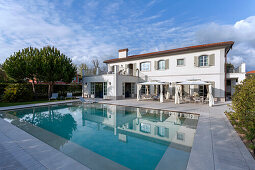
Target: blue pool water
(135, 138)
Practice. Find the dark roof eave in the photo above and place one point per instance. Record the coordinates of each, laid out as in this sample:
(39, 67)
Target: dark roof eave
(228, 44)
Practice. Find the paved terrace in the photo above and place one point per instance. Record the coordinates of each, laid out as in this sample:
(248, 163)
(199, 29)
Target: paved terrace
(216, 144)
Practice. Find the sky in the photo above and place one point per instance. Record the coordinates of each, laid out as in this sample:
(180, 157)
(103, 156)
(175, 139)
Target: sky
(87, 29)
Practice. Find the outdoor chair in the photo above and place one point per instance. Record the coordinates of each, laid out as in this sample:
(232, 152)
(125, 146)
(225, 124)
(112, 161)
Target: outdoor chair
(187, 99)
(197, 99)
(54, 96)
(206, 100)
(87, 101)
(69, 96)
(149, 96)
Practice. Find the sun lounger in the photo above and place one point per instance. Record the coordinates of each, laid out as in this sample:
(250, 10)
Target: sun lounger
(54, 96)
(69, 95)
(87, 101)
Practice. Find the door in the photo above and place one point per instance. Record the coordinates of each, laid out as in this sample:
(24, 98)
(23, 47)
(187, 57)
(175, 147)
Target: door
(99, 90)
(127, 90)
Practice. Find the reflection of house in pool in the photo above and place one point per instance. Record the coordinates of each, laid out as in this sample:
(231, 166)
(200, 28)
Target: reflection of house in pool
(164, 127)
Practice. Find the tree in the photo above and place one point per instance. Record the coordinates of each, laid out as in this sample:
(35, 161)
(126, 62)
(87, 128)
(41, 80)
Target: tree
(3, 76)
(243, 105)
(23, 65)
(81, 67)
(95, 63)
(55, 66)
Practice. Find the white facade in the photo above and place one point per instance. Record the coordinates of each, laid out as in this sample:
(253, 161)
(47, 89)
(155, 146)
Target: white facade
(163, 67)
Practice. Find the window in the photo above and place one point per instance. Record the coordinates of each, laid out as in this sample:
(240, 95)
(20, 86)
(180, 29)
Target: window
(161, 65)
(161, 131)
(145, 66)
(203, 60)
(105, 88)
(144, 90)
(146, 128)
(92, 88)
(180, 62)
(123, 89)
(180, 136)
(132, 88)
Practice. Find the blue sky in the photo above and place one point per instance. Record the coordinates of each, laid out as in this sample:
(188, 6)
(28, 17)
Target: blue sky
(86, 29)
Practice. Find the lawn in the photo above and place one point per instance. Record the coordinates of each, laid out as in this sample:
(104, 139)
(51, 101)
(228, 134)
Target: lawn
(3, 104)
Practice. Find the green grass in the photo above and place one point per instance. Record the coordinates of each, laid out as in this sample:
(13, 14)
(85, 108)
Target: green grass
(3, 104)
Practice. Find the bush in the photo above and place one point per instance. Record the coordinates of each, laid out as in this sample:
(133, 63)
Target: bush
(2, 89)
(9, 91)
(243, 114)
(17, 93)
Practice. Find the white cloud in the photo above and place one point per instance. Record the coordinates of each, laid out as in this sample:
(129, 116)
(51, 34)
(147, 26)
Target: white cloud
(100, 29)
(242, 32)
(22, 26)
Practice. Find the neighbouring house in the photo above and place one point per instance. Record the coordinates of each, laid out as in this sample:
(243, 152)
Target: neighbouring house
(159, 72)
(250, 73)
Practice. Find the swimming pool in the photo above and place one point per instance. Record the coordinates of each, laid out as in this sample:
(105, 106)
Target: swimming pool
(103, 136)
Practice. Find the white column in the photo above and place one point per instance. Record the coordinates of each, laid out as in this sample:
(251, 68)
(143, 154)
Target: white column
(168, 91)
(161, 94)
(147, 89)
(211, 99)
(177, 94)
(138, 91)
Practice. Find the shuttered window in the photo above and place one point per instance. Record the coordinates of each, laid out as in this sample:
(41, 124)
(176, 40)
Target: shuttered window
(203, 60)
(145, 66)
(161, 65)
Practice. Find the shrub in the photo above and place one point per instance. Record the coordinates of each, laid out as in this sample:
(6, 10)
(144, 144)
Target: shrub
(2, 88)
(18, 92)
(24, 92)
(243, 114)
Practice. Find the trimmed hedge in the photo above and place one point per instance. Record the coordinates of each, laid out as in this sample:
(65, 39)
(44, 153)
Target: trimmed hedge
(41, 90)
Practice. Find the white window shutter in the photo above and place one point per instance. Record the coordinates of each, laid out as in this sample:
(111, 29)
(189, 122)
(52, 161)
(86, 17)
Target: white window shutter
(212, 60)
(156, 65)
(196, 61)
(167, 64)
(134, 69)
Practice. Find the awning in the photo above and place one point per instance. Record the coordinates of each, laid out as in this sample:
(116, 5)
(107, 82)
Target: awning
(197, 82)
(152, 83)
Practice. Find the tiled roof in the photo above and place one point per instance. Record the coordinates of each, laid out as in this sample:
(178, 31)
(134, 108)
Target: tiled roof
(172, 51)
(251, 72)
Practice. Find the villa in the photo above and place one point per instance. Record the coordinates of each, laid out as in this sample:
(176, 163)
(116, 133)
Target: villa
(160, 72)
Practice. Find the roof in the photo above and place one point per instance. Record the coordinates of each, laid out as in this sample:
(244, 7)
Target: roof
(251, 72)
(152, 83)
(228, 44)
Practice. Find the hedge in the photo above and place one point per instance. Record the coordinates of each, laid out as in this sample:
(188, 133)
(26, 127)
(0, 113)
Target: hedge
(42, 89)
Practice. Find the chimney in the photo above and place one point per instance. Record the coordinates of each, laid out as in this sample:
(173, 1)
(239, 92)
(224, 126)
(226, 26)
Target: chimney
(123, 53)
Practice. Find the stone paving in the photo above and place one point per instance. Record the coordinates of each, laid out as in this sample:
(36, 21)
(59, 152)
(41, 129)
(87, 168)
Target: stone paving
(216, 144)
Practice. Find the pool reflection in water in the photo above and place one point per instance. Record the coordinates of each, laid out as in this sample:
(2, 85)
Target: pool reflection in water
(100, 134)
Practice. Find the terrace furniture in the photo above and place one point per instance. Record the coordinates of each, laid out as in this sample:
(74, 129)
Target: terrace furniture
(155, 97)
(69, 95)
(197, 99)
(86, 101)
(206, 100)
(149, 96)
(187, 99)
(54, 96)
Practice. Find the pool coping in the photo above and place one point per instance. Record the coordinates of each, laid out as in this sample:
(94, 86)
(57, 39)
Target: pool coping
(204, 153)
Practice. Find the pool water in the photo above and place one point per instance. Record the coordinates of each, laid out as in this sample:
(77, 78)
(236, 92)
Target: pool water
(102, 135)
